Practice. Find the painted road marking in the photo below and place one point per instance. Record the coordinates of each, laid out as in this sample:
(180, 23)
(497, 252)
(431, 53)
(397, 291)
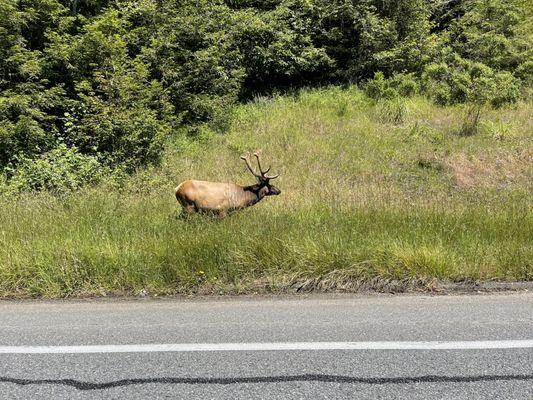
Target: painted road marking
(281, 346)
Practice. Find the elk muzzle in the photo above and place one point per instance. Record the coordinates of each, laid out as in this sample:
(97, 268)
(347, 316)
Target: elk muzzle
(274, 191)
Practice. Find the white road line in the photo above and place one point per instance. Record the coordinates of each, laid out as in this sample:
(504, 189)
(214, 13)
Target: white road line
(282, 346)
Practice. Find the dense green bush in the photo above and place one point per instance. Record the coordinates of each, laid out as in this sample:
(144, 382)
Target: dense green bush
(380, 88)
(59, 170)
(399, 84)
(460, 81)
(78, 83)
(492, 32)
(525, 72)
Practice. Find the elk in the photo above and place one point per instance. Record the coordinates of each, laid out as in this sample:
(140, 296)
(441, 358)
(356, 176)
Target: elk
(221, 197)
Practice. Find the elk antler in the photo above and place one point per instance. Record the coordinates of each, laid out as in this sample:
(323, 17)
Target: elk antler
(246, 159)
(257, 155)
(263, 173)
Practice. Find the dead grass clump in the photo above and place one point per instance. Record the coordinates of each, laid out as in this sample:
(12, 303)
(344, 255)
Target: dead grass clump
(490, 172)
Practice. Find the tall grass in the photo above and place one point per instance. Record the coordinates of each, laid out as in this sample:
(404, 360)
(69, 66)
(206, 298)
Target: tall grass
(364, 201)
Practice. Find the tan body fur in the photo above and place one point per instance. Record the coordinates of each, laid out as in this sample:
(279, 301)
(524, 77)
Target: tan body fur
(216, 197)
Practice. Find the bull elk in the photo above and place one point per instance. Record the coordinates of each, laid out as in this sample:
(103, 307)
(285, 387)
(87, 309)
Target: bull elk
(221, 197)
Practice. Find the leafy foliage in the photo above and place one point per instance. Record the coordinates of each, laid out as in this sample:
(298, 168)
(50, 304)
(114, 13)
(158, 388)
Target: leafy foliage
(59, 170)
(113, 79)
(460, 81)
(398, 85)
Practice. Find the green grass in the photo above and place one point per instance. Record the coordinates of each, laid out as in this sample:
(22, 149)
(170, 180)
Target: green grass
(368, 199)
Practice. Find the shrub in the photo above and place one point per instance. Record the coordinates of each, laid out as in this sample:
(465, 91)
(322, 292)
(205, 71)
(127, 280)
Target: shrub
(464, 81)
(506, 90)
(525, 72)
(60, 170)
(406, 84)
(492, 32)
(400, 84)
(376, 88)
(125, 138)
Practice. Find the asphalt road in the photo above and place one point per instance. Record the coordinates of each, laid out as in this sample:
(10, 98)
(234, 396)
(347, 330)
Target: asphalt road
(498, 373)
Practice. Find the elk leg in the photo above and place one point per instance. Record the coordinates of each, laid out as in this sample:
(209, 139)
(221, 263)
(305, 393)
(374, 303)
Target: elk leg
(186, 211)
(190, 209)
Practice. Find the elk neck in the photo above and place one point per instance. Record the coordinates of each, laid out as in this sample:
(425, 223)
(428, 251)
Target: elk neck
(252, 193)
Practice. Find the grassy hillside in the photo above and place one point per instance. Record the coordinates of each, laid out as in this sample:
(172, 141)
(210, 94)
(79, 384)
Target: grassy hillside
(372, 194)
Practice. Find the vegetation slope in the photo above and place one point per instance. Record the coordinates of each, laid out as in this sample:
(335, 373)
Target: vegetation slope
(386, 193)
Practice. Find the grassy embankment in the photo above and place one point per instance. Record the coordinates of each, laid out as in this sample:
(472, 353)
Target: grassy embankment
(365, 201)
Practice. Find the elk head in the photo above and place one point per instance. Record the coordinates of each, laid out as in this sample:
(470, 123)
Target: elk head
(263, 187)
